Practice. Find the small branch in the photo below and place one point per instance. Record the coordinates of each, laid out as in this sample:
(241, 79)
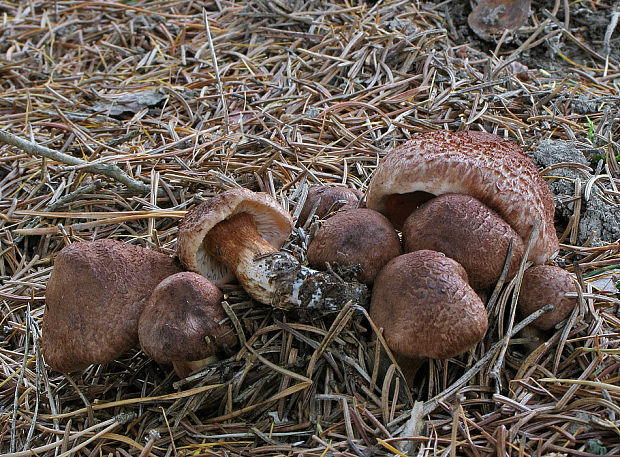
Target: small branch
(106, 169)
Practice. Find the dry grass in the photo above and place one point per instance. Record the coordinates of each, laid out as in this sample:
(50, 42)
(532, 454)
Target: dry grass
(279, 96)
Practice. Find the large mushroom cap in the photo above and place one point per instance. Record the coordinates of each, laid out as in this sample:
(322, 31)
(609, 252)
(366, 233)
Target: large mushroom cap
(182, 320)
(272, 221)
(328, 198)
(426, 308)
(543, 284)
(94, 298)
(482, 165)
(467, 231)
(357, 236)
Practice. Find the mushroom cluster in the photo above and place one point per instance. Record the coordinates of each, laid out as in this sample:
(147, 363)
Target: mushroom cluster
(461, 201)
(469, 196)
(128, 294)
(238, 233)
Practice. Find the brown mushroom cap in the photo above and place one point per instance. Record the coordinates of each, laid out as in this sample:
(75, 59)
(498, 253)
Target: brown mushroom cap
(494, 17)
(272, 221)
(328, 198)
(467, 231)
(482, 165)
(543, 284)
(94, 298)
(426, 308)
(357, 236)
(182, 320)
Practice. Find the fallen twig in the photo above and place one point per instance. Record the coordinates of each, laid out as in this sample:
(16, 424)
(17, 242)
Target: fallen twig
(106, 169)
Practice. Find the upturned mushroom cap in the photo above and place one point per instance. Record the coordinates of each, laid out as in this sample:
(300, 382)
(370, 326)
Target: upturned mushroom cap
(94, 298)
(426, 308)
(182, 320)
(482, 165)
(328, 198)
(543, 284)
(272, 221)
(356, 236)
(467, 231)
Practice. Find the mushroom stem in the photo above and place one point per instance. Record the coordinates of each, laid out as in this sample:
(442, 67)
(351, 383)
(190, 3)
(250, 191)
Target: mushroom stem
(236, 241)
(274, 277)
(184, 368)
(409, 367)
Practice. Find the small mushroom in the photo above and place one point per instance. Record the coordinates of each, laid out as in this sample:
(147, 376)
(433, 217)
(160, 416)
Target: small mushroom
(240, 231)
(467, 231)
(94, 298)
(182, 323)
(543, 284)
(490, 169)
(356, 237)
(426, 308)
(492, 17)
(326, 199)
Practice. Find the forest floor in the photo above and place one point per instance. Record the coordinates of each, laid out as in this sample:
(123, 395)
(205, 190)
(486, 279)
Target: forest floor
(192, 97)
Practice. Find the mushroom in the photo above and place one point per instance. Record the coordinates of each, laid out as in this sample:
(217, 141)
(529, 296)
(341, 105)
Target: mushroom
(493, 17)
(543, 284)
(358, 236)
(271, 222)
(482, 165)
(426, 308)
(94, 298)
(467, 231)
(182, 323)
(240, 231)
(326, 199)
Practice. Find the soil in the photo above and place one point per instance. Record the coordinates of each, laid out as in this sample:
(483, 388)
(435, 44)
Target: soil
(194, 97)
(589, 22)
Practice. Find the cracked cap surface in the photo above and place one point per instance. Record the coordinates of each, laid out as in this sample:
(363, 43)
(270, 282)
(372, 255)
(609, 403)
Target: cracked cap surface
(94, 298)
(182, 320)
(426, 308)
(490, 169)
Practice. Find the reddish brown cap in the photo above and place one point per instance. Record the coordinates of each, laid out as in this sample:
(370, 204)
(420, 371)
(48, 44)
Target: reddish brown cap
(94, 298)
(482, 165)
(272, 221)
(543, 284)
(493, 17)
(357, 236)
(183, 320)
(467, 231)
(328, 199)
(426, 308)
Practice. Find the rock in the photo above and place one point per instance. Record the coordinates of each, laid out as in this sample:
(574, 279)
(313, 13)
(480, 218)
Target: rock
(599, 218)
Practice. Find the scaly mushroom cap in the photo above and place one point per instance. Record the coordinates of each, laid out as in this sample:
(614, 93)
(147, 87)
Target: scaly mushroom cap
(94, 298)
(182, 320)
(272, 221)
(482, 165)
(544, 284)
(467, 231)
(356, 236)
(328, 198)
(426, 308)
